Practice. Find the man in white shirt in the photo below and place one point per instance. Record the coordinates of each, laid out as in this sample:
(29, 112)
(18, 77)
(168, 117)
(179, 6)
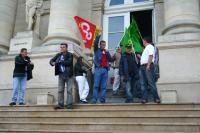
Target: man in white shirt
(147, 72)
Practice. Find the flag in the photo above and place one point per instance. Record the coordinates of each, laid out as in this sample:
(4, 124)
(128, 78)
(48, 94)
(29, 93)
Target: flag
(125, 40)
(132, 36)
(136, 36)
(87, 31)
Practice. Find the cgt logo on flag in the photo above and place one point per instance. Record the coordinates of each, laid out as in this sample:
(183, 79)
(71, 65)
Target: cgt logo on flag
(87, 30)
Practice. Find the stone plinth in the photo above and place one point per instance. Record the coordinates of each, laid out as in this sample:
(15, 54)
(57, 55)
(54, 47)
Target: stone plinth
(168, 96)
(26, 39)
(44, 99)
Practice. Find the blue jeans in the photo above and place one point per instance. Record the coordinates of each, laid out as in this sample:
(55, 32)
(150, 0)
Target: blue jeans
(147, 80)
(19, 87)
(130, 87)
(100, 81)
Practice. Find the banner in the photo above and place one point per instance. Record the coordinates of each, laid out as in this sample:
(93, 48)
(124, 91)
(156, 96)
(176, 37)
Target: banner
(87, 31)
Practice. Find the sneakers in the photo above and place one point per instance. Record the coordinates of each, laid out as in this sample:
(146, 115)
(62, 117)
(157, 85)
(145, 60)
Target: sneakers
(12, 103)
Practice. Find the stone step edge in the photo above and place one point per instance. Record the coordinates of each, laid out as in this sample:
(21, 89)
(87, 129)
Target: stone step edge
(77, 131)
(166, 116)
(95, 123)
(110, 104)
(98, 110)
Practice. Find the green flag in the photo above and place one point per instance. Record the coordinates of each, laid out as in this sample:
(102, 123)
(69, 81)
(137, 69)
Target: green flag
(125, 40)
(135, 36)
(132, 36)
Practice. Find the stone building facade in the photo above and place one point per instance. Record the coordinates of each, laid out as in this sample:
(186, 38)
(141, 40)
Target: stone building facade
(174, 26)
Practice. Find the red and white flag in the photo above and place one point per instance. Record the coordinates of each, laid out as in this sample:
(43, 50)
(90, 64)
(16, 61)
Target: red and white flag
(87, 30)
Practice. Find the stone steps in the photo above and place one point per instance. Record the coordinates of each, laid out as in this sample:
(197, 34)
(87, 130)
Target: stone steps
(114, 120)
(72, 131)
(102, 118)
(180, 127)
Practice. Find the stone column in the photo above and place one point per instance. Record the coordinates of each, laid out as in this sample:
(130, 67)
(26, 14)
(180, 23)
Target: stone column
(61, 23)
(179, 48)
(159, 17)
(7, 19)
(181, 16)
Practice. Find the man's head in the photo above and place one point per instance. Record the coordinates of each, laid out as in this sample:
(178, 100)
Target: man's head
(102, 44)
(118, 49)
(146, 41)
(23, 52)
(129, 48)
(63, 47)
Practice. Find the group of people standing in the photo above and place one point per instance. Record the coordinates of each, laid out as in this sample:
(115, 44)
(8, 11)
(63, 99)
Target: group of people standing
(130, 68)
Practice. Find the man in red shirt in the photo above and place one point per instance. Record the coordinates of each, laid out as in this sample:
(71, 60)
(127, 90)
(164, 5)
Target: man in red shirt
(101, 60)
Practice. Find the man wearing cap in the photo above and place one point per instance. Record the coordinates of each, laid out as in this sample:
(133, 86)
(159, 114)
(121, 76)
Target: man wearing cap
(116, 58)
(129, 72)
(147, 71)
(101, 60)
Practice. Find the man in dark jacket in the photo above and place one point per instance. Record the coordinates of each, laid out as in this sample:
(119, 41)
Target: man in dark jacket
(80, 73)
(63, 63)
(22, 73)
(129, 72)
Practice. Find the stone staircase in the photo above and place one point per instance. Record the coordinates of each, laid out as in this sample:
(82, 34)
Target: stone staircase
(102, 118)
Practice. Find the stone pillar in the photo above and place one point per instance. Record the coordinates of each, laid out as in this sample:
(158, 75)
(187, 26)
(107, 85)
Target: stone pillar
(179, 47)
(62, 26)
(181, 16)
(7, 20)
(159, 18)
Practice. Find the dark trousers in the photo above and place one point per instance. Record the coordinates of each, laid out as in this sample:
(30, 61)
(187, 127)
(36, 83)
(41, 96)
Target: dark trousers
(147, 80)
(61, 88)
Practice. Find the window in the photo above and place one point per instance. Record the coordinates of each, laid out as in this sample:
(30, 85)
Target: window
(116, 2)
(115, 31)
(139, 1)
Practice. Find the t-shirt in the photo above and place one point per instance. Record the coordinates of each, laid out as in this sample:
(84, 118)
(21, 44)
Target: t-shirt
(103, 60)
(149, 50)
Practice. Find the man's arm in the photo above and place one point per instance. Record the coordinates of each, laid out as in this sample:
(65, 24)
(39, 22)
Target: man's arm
(53, 60)
(149, 61)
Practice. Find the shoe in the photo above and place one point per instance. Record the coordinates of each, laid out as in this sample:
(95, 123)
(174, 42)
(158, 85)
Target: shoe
(143, 101)
(12, 103)
(102, 101)
(58, 107)
(83, 102)
(21, 103)
(157, 101)
(69, 106)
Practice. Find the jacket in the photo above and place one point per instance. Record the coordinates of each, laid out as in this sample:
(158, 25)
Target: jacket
(123, 69)
(23, 67)
(68, 63)
(78, 69)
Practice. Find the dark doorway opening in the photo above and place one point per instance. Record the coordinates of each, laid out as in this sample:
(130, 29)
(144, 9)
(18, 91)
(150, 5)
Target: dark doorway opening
(144, 22)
